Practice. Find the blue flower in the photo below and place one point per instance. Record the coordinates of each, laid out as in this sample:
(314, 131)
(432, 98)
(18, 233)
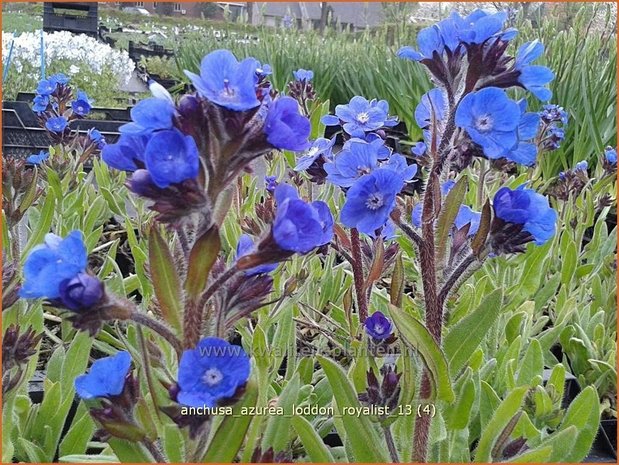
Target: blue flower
(419, 149)
(263, 71)
(41, 102)
(397, 163)
(270, 183)
(360, 116)
(49, 264)
(320, 147)
(378, 326)
(46, 87)
(81, 292)
(581, 166)
(98, 138)
(467, 216)
(124, 154)
(106, 377)
(525, 152)
(431, 109)
(57, 124)
(354, 161)
(532, 77)
(371, 199)
(38, 159)
(59, 78)
(226, 82)
(527, 207)
(299, 226)
(611, 155)
(491, 120)
(244, 247)
(429, 40)
(553, 113)
(82, 105)
(285, 127)
(171, 157)
(211, 372)
(149, 115)
(303, 75)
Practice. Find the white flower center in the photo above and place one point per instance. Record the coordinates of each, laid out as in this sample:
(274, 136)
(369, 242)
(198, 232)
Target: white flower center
(212, 377)
(379, 329)
(363, 117)
(313, 151)
(228, 91)
(484, 123)
(375, 201)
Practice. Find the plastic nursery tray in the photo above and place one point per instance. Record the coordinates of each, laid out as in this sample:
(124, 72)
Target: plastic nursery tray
(79, 18)
(22, 135)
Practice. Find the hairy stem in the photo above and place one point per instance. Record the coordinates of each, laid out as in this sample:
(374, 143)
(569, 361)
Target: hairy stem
(393, 452)
(161, 329)
(454, 277)
(154, 450)
(357, 269)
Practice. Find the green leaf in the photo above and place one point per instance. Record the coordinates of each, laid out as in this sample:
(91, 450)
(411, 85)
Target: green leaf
(43, 224)
(364, 440)
(173, 443)
(466, 335)
(569, 262)
(166, 282)
(538, 455)
(417, 336)
(584, 414)
(35, 453)
(448, 214)
(459, 415)
(533, 271)
(502, 416)
(313, 444)
(532, 364)
(201, 259)
(277, 432)
(129, 451)
(81, 431)
(479, 240)
(228, 438)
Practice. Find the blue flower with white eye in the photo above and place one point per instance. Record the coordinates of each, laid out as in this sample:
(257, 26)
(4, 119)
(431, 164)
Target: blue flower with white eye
(357, 159)
(581, 166)
(211, 372)
(370, 200)
(38, 159)
(263, 71)
(127, 154)
(46, 87)
(490, 119)
(57, 124)
(524, 151)
(300, 226)
(81, 105)
(610, 154)
(303, 75)
(244, 247)
(171, 157)
(49, 264)
(285, 127)
(106, 377)
(40, 103)
(378, 326)
(360, 116)
(150, 115)
(534, 78)
(528, 208)
(320, 147)
(227, 82)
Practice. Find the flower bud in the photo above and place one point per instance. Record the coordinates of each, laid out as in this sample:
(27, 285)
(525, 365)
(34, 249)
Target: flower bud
(81, 292)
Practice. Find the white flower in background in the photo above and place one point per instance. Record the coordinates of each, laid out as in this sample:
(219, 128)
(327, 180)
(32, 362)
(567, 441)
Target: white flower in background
(80, 49)
(74, 70)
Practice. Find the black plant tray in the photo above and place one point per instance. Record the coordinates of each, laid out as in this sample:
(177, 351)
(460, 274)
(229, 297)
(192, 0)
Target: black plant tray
(22, 135)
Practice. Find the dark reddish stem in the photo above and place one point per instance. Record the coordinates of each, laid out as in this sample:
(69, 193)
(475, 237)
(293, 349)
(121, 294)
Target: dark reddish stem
(358, 275)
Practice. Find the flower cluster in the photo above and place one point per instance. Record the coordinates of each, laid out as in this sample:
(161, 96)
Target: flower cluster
(80, 50)
(361, 118)
(57, 106)
(570, 183)
(552, 128)
(233, 118)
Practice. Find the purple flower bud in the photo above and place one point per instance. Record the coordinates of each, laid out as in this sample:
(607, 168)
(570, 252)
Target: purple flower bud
(81, 292)
(142, 184)
(188, 106)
